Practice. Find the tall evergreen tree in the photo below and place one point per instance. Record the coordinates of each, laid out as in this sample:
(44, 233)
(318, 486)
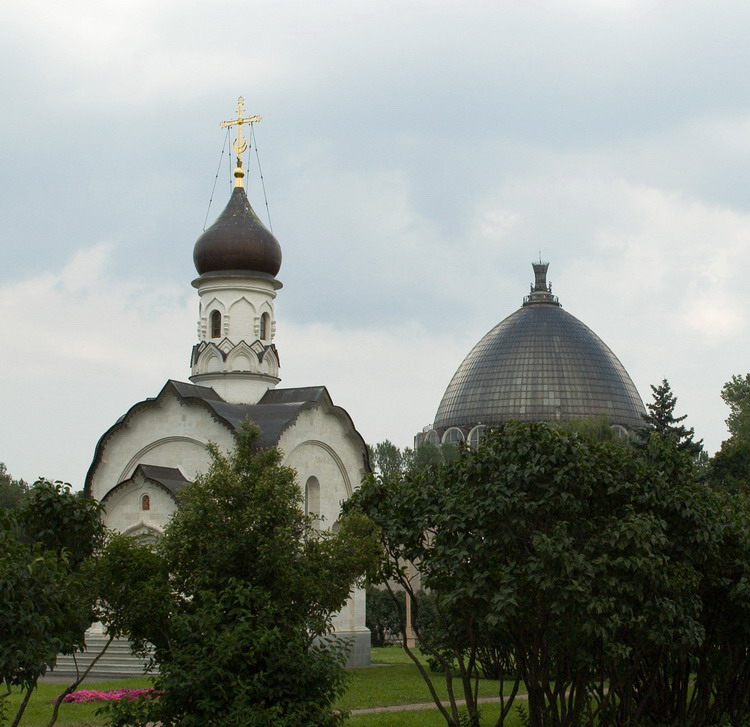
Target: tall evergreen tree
(661, 419)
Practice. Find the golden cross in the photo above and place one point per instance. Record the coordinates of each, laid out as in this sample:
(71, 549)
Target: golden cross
(239, 145)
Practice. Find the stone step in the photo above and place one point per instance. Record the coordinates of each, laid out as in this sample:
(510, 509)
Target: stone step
(116, 663)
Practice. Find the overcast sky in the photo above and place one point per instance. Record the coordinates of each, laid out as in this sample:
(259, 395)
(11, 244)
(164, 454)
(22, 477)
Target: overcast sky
(417, 157)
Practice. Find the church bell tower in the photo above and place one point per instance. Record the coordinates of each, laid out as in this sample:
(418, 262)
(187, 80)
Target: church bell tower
(237, 260)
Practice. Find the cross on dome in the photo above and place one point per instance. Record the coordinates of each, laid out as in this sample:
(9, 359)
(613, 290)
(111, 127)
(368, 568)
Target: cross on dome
(240, 144)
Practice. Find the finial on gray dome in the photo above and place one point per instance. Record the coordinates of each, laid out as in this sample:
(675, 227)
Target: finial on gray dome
(540, 276)
(541, 291)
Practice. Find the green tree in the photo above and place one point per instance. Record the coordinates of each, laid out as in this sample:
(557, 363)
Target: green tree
(721, 693)
(12, 492)
(386, 458)
(736, 395)
(574, 562)
(730, 466)
(131, 585)
(244, 636)
(425, 455)
(46, 603)
(661, 419)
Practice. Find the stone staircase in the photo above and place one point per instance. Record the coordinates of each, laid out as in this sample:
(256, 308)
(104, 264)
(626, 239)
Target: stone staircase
(117, 663)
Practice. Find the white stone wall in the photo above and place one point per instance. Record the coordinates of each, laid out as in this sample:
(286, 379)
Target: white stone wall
(123, 509)
(320, 444)
(237, 389)
(166, 433)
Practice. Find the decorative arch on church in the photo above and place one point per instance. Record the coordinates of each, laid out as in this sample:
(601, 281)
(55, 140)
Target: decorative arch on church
(143, 531)
(242, 323)
(242, 358)
(270, 363)
(209, 359)
(334, 456)
(142, 453)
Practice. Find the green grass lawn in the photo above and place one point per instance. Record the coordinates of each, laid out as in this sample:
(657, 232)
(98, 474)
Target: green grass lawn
(398, 683)
(393, 655)
(392, 680)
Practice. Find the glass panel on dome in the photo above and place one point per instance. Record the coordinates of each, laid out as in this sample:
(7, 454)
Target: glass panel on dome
(453, 436)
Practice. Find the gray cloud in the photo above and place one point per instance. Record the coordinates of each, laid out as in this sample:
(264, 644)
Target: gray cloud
(417, 156)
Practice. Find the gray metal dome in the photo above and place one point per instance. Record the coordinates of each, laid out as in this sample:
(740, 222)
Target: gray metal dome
(539, 364)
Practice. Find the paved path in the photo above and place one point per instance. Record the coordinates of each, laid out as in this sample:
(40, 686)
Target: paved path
(425, 705)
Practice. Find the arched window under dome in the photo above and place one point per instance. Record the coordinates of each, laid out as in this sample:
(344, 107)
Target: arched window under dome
(619, 431)
(216, 324)
(432, 437)
(475, 436)
(265, 327)
(453, 436)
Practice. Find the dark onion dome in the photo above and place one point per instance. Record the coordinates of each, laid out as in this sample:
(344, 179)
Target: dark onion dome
(237, 242)
(539, 364)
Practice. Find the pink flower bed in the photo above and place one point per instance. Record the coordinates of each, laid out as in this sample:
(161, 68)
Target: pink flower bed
(93, 695)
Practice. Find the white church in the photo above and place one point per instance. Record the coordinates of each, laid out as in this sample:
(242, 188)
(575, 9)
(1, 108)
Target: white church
(144, 459)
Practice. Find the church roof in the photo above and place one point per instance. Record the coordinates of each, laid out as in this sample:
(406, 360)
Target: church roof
(170, 478)
(186, 390)
(276, 410)
(539, 364)
(238, 242)
(294, 395)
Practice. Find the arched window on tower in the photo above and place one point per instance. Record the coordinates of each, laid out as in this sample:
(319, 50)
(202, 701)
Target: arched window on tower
(145, 503)
(216, 324)
(265, 327)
